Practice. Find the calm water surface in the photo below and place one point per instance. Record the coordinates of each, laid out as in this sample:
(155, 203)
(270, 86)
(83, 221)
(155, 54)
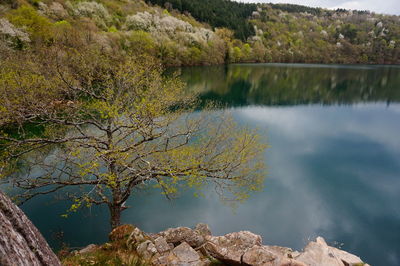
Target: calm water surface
(333, 165)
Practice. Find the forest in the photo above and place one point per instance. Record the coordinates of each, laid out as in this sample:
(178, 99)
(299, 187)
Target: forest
(180, 32)
(218, 13)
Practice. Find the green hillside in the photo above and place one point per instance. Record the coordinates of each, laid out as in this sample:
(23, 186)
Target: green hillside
(194, 32)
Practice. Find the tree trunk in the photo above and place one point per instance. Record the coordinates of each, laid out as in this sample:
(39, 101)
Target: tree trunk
(20, 241)
(115, 212)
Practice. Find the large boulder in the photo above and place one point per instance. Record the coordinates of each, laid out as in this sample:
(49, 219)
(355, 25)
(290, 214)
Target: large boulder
(146, 250)
(184, 254)
(319, 253)
(179, 235)
(231, 247)
(20, 241)
(258, 255)
(161, 245)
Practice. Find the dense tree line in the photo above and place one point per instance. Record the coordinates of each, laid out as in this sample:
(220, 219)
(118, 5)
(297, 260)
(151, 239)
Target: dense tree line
(217, 13)
(290, 8)
(231, 32)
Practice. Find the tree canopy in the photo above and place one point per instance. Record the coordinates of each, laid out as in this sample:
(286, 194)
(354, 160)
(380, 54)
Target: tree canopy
(217, 13)
(111, 125)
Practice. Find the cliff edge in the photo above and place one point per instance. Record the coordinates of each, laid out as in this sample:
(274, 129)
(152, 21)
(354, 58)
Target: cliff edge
(198, 247)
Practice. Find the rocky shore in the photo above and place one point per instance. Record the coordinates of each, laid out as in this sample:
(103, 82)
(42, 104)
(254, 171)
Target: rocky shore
(184, 246)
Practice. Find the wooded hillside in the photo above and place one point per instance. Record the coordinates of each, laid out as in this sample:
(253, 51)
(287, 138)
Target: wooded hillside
(206, 32)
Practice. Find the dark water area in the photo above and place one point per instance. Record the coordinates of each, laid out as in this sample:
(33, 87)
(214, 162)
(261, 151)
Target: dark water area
(333, 163)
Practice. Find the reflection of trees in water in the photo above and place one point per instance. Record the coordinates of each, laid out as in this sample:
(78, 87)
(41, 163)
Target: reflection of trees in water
(285, 85)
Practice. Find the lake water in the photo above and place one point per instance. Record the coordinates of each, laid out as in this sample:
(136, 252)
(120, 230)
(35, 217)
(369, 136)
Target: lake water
(333, 164)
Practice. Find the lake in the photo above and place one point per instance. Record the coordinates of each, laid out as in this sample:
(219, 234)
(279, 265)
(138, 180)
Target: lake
(333, 163)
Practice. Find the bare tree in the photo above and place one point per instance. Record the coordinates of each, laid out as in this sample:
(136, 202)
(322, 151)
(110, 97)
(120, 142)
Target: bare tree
(111, 126)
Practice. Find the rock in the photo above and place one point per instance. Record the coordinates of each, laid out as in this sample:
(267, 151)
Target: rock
(160, 259)
(162, 245)
(146, 250)
(270, 255)
(280, 251)
(289, 262)
(184, 254)
(135, 238)
(20, 241)
(179, 235)
(90, 248)
(258, 255)
(231, 247)
(346, 258)
(170, 248)
(319, 253)
(203, 229)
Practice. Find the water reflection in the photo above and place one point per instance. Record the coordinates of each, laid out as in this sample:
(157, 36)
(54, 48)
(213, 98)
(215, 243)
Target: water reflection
(334, 165)
(291, 84)
(333, 171)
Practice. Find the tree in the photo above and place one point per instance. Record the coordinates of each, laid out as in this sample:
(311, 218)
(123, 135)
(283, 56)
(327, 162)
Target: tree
(116, 125)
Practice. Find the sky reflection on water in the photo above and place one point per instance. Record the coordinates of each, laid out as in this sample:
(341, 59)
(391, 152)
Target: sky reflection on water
(334, 163)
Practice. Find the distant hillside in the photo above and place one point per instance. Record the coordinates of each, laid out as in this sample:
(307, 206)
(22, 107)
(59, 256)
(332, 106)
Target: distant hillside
(301, 34)
(203, 32)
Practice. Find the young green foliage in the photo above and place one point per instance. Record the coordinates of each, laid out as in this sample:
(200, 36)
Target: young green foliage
(125, 126)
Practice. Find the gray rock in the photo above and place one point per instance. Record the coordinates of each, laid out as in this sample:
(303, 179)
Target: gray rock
(20, 241)
(183, 234)
(319, 253)
(162, 245)
(88, 249)
(280, 251)
(240, 248)
(231, 247)
(258, 255)
(203, 229)
(184, 255)
(135, 238)
(146, 249)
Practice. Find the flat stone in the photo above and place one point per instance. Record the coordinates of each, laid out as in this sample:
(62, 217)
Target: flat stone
(183, 234)
(257, 256)
(231, 247)
(162, 245)
(185, 253)
(88, 249)
(319, 253)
